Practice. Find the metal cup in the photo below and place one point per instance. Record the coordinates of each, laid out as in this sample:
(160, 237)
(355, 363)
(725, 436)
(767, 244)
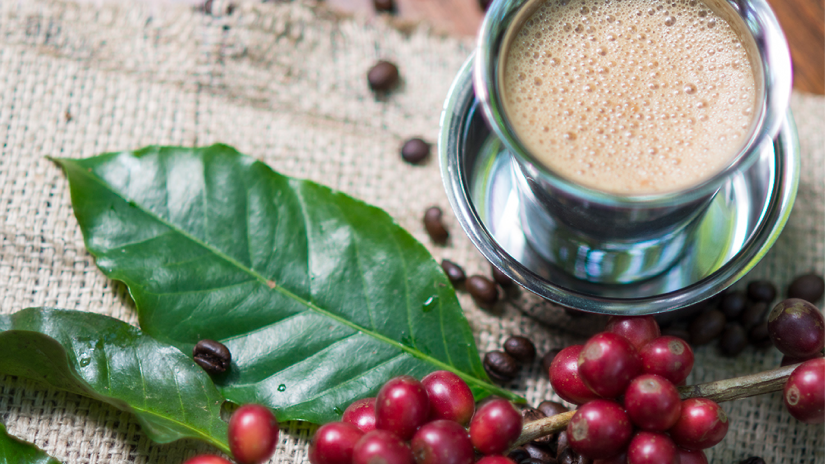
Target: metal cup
(607, 238)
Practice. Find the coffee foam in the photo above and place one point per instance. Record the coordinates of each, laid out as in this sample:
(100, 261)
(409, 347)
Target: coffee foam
(629, 97)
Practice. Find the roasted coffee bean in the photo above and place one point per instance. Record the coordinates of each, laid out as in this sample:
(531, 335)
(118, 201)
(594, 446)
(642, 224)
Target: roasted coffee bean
(568, 456)
(212, 356)
(809, 287)
(415, 151)
(434, 225)
(753, 314)
(548, 358)
(551, 408)
(539, 452)
(761, 290)
(482, 289)
(383, 5)
(678, 332)
(706, 327)
(518, 455)
(753, 460)
(538, 461)
(529, 414)
(561, 443)
(758, 336)
(520, 348)
(732, 305)
(734, 340)
(382, 76)
(501, 365)
(453, 271)
(501, 278)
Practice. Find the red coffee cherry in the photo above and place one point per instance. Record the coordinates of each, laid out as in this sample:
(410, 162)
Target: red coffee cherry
(381, 446)
(669, 357)
(442, 442)
(618, 459)
(450, 397)
(607, 363)
(495, 460)
(253, 434)
(402, 406)
(637, 329)
(565, 379)
(702, 424)
(495, 427)
(804, 393)
(361, 413)
(797, 328)
(652, 448)
(207, 459)
(652, 403)
(691, 456)
(600, 429)
(333, 443)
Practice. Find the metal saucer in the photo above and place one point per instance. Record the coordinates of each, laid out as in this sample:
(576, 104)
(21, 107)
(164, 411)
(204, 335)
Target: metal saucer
(739, 227)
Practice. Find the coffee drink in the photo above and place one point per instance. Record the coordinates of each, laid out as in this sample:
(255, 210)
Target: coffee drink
(628, 96)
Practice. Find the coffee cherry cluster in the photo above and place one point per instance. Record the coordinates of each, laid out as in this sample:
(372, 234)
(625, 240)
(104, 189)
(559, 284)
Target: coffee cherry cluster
(253, 435)
(651, 424)
(419, 422)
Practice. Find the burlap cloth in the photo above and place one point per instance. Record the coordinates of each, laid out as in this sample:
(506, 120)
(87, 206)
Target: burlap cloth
(284, 82)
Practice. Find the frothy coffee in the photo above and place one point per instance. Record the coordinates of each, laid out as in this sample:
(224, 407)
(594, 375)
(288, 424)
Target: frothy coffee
(629, 96)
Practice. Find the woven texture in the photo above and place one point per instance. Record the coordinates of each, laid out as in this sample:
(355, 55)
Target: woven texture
(284, 82)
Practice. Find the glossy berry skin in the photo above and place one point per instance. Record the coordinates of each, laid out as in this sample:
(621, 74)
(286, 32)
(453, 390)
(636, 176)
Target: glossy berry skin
(600, 429)
(442, 442)
(381, 446)
(207, 459)
(401, 406)
(618, 459)
(361, 413)
(450, 397)
(495, 460)
(333, 443)
(652, 448)
(669, 357)
(607, 364)
(652, 403)
(253, 434)
(797, 328)
(495, 427)
(804, 393)
(789, 360)
(702, 424)
(691, 456)
(637, 329)
(565, 379)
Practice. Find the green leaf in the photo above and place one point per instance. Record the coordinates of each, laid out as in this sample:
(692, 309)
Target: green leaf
(14, 451)
(108, 360)
(320, 298)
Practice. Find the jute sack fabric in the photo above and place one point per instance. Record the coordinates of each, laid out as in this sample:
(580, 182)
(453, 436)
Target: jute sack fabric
(284, 82)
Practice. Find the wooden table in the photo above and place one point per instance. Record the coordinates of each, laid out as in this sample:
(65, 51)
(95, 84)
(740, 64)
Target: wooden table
(802, 20)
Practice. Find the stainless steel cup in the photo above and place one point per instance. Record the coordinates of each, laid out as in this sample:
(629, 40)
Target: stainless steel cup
(606, 238)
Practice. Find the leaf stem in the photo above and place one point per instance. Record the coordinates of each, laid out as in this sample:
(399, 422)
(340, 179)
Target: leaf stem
(719, 391)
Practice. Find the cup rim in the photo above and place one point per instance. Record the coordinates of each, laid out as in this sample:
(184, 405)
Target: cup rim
(775, 60)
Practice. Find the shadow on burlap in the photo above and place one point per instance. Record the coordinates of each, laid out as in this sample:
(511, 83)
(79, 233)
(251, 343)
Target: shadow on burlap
(283, 82)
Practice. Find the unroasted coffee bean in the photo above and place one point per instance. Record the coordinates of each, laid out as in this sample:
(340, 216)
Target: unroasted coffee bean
(548, 358)
(551, 408)
(500, 365)
(383, 5)
(521, 348)
(678, 332)
(706, 327)
(568, 456)
(482, 289)
(809, 287)
(415, 151)
(539, 452)
(382, 76)
(753, 460)
(501, 278)
(753, 314)
(761, 290)
(732, 305)
(518, 455)
(212, 356)
(758, 336)
(734, 340)
(453, 271)
(434, 225)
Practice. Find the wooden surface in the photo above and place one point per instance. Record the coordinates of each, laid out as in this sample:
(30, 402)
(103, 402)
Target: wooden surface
(802, 20)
